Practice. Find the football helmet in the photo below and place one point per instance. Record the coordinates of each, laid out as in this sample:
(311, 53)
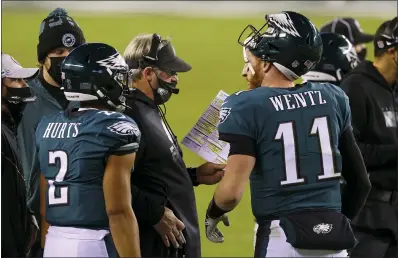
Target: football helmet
(95, 71)
(288, 40)
(338, 59)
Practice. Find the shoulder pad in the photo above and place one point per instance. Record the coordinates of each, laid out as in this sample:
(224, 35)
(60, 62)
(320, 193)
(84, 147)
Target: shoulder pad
(118, 132)
(118, 123)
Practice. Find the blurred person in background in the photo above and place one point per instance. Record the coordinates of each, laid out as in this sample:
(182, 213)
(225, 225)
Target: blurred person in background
(18, 224)
(163, 193)
(371, 88)
(338, 59)
(351, 29)
(294, 179)
(59, 34)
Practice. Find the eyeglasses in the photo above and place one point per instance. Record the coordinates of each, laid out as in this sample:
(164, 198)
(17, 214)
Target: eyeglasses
(168, 72)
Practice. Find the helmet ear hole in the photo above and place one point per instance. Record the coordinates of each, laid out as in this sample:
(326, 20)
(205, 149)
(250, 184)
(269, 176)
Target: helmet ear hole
(273, 49)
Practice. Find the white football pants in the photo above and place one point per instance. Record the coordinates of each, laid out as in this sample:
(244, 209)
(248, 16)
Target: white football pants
(75, 242)
(277, 246)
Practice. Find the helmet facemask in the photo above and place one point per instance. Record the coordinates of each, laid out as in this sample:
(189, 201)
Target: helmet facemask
(251, 37)
(287, 40)
(114, 89)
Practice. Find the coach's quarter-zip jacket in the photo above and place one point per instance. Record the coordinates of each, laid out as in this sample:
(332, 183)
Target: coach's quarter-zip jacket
(160, 172)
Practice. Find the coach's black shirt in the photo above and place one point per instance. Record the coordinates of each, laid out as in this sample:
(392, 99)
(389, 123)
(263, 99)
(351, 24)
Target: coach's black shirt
(160, 178)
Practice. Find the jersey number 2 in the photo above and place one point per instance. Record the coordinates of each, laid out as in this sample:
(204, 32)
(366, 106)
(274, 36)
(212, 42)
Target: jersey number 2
(62, 199)
(286, 133)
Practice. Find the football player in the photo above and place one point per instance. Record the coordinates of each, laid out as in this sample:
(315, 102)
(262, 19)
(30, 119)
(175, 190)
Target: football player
(290, 140)
(338, 59)
(86, 157)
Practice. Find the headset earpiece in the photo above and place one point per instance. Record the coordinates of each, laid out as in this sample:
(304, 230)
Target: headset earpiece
(153, 52)
(152, 56)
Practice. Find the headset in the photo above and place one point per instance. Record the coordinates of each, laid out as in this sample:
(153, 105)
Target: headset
(152, 57)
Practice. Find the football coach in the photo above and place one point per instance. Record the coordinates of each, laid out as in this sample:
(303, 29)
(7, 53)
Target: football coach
(163, 193)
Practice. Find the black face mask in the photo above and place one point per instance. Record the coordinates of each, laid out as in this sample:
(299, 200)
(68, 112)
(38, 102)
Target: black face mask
(163, 93)
(55, 69)
(15, 100)
(362, 54)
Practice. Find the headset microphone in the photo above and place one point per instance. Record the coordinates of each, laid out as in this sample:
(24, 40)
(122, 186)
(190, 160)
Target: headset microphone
(174, 90)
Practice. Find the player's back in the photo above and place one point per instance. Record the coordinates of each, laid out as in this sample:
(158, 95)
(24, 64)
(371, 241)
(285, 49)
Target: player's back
(297, 131)
(73, 148)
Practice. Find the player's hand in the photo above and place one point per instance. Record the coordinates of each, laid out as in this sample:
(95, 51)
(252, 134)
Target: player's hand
(212, 232)
(170, 229)
(210, 173)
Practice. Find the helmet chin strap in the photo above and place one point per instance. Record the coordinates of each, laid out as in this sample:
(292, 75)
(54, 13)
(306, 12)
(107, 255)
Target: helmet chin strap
(120, 108)
(246, 59)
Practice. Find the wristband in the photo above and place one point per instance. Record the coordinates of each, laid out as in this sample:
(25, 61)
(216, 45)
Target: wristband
(213, 211)
(193, 176)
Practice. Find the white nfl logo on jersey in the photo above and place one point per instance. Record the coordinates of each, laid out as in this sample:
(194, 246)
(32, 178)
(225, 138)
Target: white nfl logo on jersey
(224, 113)
(283, 21)
(323, 228)
(124, 128)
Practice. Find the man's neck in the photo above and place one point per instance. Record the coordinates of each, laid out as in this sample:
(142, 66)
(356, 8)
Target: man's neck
(390, 75)
(93, 104)
(274, 82)
(276, 79)
(7, 118)
(144, 88)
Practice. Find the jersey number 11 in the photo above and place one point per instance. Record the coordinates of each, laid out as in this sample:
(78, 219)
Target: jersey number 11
(286, 133)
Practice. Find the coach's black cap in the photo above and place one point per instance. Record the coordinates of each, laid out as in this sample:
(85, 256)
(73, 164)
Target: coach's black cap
(387, 34)
(167, 60)
(348, 27)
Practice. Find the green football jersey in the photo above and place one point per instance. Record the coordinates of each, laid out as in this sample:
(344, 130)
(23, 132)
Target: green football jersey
(297, 131)
(73, 149)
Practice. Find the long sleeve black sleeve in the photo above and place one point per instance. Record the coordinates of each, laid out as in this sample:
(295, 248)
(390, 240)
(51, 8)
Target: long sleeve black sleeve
(145, 208)
(374, 155)
(193, 176)
(354, 172)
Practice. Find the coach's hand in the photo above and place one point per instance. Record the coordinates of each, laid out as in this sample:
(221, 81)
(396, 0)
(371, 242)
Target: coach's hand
(212, 232)
(210, 173)
(170, 229)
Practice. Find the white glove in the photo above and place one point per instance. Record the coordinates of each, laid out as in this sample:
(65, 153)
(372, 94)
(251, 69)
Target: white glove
(212, 232)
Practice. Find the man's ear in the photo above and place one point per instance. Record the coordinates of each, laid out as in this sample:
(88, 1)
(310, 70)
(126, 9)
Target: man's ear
(147, 73)
(45, 62)
(266, 66)
(391, 51)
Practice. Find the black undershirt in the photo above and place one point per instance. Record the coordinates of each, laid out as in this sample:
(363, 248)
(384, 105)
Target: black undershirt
(239, 144)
